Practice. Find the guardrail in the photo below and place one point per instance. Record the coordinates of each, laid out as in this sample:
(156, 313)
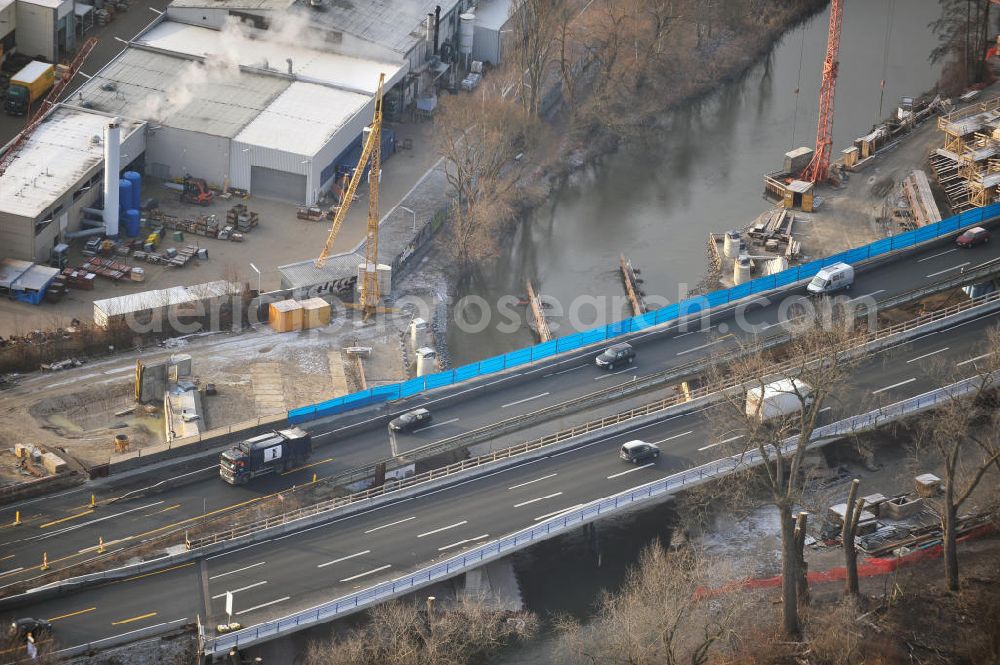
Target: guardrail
(678, 310)
(394, 485)
(570, 519)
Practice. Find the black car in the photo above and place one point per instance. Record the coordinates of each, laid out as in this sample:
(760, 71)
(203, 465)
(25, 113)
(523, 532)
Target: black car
(410, 420)
(639, 451)
(615, 355)
(39, 629)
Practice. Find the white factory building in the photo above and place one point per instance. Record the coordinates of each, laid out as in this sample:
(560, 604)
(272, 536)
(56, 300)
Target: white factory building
(54, 176)
(268, 96)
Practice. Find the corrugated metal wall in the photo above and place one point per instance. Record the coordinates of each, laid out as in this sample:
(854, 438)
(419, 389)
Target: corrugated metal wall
(36, 31)
(181, 152)
(244, 155)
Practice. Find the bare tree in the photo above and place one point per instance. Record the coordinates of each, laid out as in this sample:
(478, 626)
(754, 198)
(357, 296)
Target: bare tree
(480, 136)
(533, 23)
(963, 435)
(816, 366)
(963, 36)
(661, 615)
(852, 514)
(402, 633)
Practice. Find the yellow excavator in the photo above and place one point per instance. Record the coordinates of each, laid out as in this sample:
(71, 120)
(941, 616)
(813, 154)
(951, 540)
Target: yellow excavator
(371, 152)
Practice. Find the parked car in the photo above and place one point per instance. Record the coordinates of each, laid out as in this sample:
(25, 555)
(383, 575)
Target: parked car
(639, 451)
(39, 629)
(615, 355)
(974, 236)
(410, 420)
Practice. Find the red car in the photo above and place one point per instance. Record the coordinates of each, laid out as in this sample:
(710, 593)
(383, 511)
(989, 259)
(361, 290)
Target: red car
(974, 236)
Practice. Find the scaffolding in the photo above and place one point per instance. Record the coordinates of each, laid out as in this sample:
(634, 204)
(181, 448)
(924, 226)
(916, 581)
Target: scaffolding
(967, 166)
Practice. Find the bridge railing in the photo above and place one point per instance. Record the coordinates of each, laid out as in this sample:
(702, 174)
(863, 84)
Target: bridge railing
(687, 307)
(571, 518)
(395, 484)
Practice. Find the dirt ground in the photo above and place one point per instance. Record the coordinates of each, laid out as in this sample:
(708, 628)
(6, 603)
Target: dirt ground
(73, 411)
(279, 239)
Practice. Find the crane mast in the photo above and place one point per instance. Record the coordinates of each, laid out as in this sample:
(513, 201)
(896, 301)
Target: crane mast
(820, 164)
(370, 152)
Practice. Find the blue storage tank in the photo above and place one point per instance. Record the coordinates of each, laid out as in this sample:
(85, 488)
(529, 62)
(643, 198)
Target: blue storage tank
(132, 223)
(124, 196)
(136, 179)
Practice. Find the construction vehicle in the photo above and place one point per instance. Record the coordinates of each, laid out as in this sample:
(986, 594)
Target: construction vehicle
(370, 152)
(196, 191)
(28, 86)
(278, 451)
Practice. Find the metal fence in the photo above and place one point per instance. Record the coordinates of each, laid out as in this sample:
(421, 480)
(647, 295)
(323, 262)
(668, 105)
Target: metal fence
(570, 519)
(687, 307)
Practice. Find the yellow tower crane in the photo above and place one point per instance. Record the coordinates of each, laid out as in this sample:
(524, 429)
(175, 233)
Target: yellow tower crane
(371, 152)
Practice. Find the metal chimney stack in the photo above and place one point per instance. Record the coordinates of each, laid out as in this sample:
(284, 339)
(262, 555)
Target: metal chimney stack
(112, 166)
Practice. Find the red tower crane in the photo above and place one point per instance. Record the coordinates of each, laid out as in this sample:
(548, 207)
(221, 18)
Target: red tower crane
(820, 164)
(50, 99)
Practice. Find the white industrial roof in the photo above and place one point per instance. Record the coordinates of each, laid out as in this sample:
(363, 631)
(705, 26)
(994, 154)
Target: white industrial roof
(215, 97)
(303, 118)
(4, 4)
(175, 295)
(55, 157)
(396, 24)
(52, 4)
(311, 65)
(260, 5)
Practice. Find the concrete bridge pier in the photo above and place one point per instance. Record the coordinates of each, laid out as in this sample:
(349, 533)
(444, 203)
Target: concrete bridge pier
(593, 542)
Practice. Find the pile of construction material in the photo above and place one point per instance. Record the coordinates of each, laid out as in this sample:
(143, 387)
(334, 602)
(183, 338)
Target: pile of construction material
(289, 315)
(773, 230)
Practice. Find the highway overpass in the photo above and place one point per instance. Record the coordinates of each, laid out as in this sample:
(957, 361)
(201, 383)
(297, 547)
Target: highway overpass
(67, 529)
(295, 571)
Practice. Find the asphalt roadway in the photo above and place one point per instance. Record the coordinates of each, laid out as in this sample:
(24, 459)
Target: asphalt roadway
(289, 573)
(67, 529)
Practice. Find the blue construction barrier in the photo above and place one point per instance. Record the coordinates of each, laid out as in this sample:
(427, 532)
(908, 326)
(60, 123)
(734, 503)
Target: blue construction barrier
(686, 307)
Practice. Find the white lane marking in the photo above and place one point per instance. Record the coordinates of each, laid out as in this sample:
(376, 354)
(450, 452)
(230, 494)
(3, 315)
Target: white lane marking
(699, 348)
(242, 588)
(385, 526)
(514, 487)
(463, 542)
(444, 422)
(12, 571)
(934, 256)
(370, 572)
(522, 401)
(719, 443)
(541, 498)
(343, 558)
(99, 519)
(444, 528)
(867, 295)
(644, 466)
(621, 371)
(895, 385)
(118, 370)
(941, 272)
(675, 436)
(257, 607)
(825, 409)
(238, 570)
(928, 355)
(557, 512)
(972, 360)
(691, 332)
(635, 429)
(563, 371)
(246, 547)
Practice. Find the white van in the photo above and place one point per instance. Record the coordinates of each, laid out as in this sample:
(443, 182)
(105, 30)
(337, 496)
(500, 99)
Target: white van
(778, 400)
(832, 278)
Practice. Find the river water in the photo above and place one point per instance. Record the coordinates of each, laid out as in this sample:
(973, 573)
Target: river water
(701, 171)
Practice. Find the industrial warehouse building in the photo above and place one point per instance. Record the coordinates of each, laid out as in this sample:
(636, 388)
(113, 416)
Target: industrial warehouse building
(220, 90)
(45, 29)
(54, 176)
